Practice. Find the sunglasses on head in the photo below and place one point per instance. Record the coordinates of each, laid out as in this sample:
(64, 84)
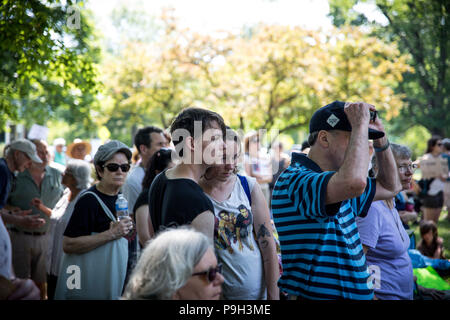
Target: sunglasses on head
(113, 167)
(211, 273)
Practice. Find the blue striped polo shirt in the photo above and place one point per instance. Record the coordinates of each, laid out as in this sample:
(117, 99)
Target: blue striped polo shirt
(321, 251)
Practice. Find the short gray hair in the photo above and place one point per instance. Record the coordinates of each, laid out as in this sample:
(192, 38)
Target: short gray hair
(312, 138)
(400, 152)
(166, 264)
(81, 171)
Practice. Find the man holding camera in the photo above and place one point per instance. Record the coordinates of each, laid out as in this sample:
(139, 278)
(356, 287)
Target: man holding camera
(316, 200)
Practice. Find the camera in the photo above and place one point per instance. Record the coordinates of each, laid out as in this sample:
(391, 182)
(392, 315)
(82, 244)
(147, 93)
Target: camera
(373, 115)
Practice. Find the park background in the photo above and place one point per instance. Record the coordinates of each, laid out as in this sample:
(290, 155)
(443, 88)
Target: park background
(102, 69)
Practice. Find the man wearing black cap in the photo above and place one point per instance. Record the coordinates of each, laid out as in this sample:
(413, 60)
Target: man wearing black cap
(315, 202)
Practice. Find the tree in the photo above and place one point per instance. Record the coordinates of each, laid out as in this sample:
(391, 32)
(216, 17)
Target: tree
(131, 24)
(422, 29)
(278, 77)
(149, 82)
(271, 77)
(48, 62)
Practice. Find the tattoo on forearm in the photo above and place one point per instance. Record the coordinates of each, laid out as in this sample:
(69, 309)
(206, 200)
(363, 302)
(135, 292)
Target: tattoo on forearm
(262, 232)
(264, 244)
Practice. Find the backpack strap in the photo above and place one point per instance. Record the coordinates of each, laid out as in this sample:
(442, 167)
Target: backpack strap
(244, 184)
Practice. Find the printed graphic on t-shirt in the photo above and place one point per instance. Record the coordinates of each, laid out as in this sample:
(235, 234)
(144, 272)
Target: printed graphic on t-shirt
(230, 229)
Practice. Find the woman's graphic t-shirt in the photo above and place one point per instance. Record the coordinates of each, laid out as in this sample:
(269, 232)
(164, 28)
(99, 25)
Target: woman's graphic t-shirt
(236, 246)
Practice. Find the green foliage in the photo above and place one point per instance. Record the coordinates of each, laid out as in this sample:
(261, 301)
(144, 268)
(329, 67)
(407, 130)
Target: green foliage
(422, 29)
(48, 67)
(279, 76)
(342, 13)
(270, 77)
(415, 138)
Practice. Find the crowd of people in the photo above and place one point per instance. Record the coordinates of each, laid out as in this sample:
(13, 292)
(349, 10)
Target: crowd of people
(215, 216)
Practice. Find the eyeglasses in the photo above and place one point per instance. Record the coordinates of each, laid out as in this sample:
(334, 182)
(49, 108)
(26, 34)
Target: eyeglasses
(113, 167)
(211, 273)
(410, 167)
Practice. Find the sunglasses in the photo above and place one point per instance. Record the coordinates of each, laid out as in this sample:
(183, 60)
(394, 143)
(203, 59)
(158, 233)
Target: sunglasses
(113, 167)
(211, 273)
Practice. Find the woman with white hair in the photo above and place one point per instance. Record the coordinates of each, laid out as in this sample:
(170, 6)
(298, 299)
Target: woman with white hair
(384, 239)
(76, 178)
(179, 264)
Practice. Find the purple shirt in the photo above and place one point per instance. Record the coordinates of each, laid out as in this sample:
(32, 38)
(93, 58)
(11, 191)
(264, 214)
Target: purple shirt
(382, 231)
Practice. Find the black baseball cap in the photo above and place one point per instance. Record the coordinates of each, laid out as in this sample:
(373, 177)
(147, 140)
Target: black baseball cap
(333, 117)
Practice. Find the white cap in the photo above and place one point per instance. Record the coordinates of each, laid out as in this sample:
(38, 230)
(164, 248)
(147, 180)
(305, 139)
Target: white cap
(27, 147)
(59, 141)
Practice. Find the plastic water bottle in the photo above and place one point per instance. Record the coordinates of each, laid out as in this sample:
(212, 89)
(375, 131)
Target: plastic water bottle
(121, 207)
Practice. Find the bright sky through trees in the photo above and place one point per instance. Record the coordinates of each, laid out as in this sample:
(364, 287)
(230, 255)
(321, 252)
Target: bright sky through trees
(212, 15)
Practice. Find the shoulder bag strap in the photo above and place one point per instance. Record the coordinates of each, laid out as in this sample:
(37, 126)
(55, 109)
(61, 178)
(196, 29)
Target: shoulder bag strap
(104, 206)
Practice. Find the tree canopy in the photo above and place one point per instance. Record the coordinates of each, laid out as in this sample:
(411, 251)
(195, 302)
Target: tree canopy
(422, 29)
(48, 56)
(272, 77)
(266, 77)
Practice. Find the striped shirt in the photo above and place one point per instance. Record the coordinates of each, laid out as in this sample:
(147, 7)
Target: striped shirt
(321, 251)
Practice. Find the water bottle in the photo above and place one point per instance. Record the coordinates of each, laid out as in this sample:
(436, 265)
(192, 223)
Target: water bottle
(121, 207)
